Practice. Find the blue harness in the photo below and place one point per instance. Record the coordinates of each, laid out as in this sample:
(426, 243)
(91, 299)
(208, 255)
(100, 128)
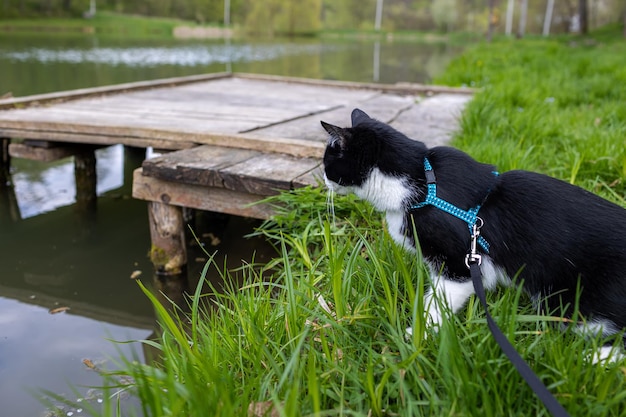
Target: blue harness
(468, 216)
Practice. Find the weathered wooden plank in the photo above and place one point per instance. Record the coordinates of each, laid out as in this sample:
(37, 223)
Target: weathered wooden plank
(267, 174)
(38, 153)
(313, 177)
(200, 197)
(434, 120)
(235, 169)
(200, 165)
(288, 146)
(156, 134)
(279, 116)
(71, 137)
(42, 143)
(398, 88)
(271, 96)
(85, 178)
(177, 141)
(244, 105)
(57, 97)
(384, 107)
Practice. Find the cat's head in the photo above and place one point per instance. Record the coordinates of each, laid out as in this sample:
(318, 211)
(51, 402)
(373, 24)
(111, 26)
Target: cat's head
(369, 160)
(350, 153)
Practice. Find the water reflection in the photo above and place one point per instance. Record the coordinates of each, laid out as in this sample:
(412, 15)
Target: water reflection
(33, 64)
(46, 351)
(191, 55)
(54, 259)
(42, 187)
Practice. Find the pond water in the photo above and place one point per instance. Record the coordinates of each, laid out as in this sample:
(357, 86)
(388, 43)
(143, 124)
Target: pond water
(52, 256)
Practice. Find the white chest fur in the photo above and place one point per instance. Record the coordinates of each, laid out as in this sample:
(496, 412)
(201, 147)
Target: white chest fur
(385, 192)
(395, 225)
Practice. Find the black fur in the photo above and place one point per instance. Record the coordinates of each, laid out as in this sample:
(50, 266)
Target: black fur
(557, 236)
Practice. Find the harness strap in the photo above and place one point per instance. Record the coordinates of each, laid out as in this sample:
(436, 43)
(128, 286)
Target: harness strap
(468, 216)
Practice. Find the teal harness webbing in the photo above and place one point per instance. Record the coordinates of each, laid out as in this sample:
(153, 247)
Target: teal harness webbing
(468, 216)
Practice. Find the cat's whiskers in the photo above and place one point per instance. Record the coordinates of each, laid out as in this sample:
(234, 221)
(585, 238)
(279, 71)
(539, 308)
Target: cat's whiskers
(330, 204)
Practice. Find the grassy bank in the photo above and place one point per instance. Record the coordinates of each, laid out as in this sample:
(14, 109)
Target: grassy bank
(103, 23)
(321, 329)
(107, 23)
(550, 105)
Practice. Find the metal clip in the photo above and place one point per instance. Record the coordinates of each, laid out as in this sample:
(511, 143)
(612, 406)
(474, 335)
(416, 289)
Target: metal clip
(473, 257)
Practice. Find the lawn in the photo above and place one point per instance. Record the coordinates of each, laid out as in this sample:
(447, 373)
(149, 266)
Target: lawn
(320, 330)
(103, 23)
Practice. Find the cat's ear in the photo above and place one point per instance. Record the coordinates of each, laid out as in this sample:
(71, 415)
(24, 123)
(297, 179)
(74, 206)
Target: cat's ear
(359, 116)
(336, 133)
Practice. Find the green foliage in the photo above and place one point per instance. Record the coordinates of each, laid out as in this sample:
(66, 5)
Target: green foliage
(47, 8)
(445, 14)
(554, 106)
(103, 23)
(320, 330)
(307, 16)
(283, 17)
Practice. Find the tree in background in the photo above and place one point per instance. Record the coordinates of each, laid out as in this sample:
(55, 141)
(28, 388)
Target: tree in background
(350, 14)
(52, 8)
(271, 17)
(583, 16)
(445, 14)
(284, 17)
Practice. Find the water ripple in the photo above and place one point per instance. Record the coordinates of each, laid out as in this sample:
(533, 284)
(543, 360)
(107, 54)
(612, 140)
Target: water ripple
(153, 56)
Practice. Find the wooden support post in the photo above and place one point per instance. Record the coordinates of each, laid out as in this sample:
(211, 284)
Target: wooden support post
(133, 157)
(167, 232)
(9, 209)
(85, 176)
(5, 163)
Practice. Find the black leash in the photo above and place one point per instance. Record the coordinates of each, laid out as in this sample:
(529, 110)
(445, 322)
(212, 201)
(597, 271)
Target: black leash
(473, 261)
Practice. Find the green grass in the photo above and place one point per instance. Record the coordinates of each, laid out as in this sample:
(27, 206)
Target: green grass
(325, 335)
(103, 23)
(320, 330)
(553, 106)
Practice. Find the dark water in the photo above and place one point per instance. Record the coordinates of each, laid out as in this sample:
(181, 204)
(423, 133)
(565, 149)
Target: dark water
(52, 256)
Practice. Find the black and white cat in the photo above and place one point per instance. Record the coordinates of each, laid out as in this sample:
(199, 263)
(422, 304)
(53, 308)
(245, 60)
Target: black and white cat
(558, 237)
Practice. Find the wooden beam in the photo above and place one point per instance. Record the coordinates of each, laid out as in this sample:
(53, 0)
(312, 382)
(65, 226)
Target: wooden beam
(86, 180)
(398, 88)
(200, 197)
(62, 96)
(144, 138)
(96, 139)
(38, 153)
(9, 209)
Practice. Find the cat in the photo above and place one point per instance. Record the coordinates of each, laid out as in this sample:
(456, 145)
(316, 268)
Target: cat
(559, 239)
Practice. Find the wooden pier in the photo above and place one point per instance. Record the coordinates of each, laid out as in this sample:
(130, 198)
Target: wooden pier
(229, 140)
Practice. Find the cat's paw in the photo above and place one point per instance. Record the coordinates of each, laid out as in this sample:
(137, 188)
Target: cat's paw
(434, 315)
(408, 333)
(605, 356)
